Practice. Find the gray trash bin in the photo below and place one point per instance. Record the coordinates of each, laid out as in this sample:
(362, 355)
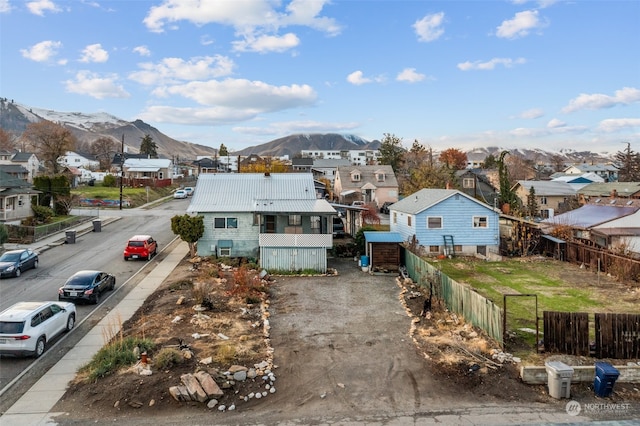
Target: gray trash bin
(97, 225)
(70, 237)
(559, 377)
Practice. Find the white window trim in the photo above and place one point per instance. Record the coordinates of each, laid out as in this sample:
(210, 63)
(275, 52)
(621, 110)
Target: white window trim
(476, 221)
(435, 217)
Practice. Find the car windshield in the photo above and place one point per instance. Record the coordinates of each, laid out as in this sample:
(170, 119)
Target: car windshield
(136, 243)
(10, 257)
(11, 327)
(84, 280)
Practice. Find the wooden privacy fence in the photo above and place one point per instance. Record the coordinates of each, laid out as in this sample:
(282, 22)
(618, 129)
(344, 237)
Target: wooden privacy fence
(616, 335)
(458, 298)
(599, 260)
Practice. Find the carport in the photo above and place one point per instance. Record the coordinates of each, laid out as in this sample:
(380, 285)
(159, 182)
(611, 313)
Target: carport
(383, 251)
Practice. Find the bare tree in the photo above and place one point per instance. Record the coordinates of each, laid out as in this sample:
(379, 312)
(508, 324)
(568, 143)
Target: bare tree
(49, 141)
(6, 141)
(104, 149)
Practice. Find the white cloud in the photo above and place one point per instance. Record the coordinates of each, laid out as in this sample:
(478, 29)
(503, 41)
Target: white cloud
(410, 75)
(43, 51)
(196, 116)
(624, 96)
(554, 123)
(429, 28)
(267, 43)
(289, 127)
(5, 6)
(521, 25)
(172, 70)
(39, 7)
(241, 94)
(94, 53)
(142, 50)
(91, 84)
(616, 124)
(491, 64)
(358, 78)
(532, 113)
(256, 22)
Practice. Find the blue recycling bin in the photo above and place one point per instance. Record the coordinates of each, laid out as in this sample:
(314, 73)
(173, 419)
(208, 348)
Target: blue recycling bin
(364, 261)
(606, 376)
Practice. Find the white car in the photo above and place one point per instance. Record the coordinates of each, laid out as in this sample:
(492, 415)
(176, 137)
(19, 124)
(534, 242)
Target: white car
(27, 327)
(189, 190)
(180, 193)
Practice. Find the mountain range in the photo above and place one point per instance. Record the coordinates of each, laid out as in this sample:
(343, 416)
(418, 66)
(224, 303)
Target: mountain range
(15, 117)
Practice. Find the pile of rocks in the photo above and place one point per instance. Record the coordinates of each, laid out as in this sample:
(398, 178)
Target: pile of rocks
(198, 387)
(504, 357)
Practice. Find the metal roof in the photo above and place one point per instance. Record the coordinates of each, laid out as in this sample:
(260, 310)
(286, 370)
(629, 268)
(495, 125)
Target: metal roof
(554, 239)
(590, 215)
(382, 237)
(143, 169)
(623, 189)
(243, 192)
(548, 187)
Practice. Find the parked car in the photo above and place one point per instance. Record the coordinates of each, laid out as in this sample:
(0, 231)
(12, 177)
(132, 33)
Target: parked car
(189, 190)
(358, 203)
(180, 193)
(15, 262)
(87, 286)
(338, 228)
(27, 327)
(140, 247)
(385, 207)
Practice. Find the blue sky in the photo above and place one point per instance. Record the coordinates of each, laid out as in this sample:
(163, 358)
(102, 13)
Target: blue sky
(451, 74)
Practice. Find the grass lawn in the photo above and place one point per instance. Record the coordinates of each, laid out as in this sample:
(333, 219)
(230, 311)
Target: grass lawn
(135, 196)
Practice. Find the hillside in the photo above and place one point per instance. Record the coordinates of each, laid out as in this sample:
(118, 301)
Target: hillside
(293, 144)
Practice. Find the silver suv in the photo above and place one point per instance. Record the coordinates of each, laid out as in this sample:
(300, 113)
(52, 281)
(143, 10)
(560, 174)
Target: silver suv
(27, 327)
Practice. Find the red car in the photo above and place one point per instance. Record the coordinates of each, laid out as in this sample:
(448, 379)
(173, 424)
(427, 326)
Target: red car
(140, 247)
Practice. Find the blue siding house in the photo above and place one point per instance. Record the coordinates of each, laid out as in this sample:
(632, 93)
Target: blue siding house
(446, 222)
(278, 218)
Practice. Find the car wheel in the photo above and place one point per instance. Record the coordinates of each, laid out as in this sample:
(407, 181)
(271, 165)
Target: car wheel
(96, 297)
(71, 322)
(126, 258)
(40, 345)
(35, 265)
(113, 285)
(17, 273)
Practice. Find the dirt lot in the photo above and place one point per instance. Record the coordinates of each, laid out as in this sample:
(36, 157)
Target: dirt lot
(345, 346)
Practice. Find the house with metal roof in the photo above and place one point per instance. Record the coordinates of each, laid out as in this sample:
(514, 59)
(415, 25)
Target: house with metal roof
(274, 217)
(16, 197)
(610, 226)
(551, 196)
(446, 221)
(618, 193)
(608, 172)
(154, 172)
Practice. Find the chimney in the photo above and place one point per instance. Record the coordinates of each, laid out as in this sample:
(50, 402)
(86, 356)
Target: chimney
(614, 193)
(267, 174)
(447, 185)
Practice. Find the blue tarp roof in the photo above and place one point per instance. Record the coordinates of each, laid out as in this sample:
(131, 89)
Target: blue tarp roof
(382, 237)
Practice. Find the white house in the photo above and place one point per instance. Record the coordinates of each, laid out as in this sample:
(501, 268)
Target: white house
(74, 159)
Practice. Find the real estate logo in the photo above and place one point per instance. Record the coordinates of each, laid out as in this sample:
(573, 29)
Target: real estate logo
(573, 408)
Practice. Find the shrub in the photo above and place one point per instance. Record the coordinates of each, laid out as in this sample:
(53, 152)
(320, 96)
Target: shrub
(110, 180)
(225, 354)
(167, 358)
(116, 354)
(42, 214)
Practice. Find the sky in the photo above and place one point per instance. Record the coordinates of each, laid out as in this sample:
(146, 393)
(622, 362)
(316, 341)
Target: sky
(548, 74)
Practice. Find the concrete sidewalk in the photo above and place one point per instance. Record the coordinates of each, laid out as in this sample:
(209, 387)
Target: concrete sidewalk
(34, 407)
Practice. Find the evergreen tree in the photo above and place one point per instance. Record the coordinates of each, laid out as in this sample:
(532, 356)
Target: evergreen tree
(628, 165)
(489, 162)
(391, 152)
(223, 151)
(532, 204)
(148, 146)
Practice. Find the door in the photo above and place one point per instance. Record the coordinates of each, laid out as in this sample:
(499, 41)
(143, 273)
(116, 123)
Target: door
(270, 224)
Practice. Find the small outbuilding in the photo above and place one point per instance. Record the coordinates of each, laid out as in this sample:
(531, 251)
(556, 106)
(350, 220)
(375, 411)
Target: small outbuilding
(383, 251)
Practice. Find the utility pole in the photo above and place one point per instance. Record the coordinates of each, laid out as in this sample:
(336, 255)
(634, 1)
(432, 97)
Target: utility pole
(121, 169)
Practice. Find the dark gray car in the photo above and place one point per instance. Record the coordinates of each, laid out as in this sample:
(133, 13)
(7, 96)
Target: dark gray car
(15, 262)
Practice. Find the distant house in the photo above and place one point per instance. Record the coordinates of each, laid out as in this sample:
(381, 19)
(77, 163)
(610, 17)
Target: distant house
(276, 217)
(154, 172)
(552, 197)
(446, 221)
(27, 160)
(16, 197)
(577, 181)
(75, 159)
(327, 168)
(16, 170)
(371, 184)
(618, 193)
(608, 172)
(477, 185)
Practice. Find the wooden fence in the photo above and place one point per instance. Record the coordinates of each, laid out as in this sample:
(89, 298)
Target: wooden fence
(598, 259)
(616, 335)
(566, 332)
(459, 298)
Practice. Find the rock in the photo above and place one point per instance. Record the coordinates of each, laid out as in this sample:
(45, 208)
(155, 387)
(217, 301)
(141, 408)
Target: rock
(222, 336)
(272, 390)
(212, 403)
(252, 374)
(206, 361)
(209, 385)
(180, 300)
(152, 403)
(135, 404)
(193, 388)
(179, 393)
(221, 408)
(117, 404)
(187, 354)
(240, 376)
(176, 320)
(145, 372)
(236, 368)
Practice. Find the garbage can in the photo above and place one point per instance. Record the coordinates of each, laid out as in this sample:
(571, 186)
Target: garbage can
(97, 225)
(364, 262)
(559, 377)
(70, 237)
(606, 376)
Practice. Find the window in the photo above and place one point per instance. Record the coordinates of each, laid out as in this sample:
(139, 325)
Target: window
(543, 201)
(408, 220)
(380, 177)
(468, 183)
(480, 221)
(225, 252)
(434, 249)
(434, 222)
(225, 222)
(315, 222)
(395, 217)
(295, 220)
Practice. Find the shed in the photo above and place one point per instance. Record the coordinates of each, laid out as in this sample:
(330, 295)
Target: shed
(383, 250)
